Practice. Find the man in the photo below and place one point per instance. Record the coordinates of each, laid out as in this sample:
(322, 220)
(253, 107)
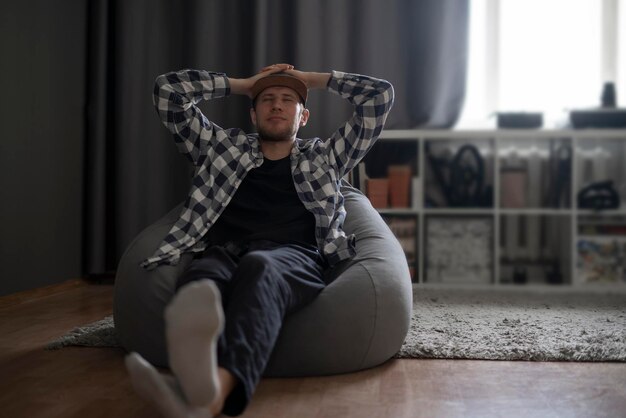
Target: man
(263, 219)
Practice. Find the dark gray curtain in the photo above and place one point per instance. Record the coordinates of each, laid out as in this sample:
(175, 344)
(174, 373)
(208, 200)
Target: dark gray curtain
(133, 172)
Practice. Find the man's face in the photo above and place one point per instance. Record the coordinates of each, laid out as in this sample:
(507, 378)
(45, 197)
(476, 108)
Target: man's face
(278, 114)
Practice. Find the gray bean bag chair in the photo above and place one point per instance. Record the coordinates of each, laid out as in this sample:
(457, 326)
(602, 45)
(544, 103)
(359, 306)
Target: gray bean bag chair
(359, 321)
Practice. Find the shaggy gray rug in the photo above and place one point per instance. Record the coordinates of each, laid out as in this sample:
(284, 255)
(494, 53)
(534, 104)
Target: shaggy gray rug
(542, 324)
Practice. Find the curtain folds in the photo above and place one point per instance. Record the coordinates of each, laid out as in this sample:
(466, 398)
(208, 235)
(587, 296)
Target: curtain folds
(132, 169)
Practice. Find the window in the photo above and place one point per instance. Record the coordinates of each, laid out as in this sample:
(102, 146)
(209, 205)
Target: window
(546, 56)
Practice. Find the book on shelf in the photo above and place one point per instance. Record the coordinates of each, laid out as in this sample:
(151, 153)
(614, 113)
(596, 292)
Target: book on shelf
(358, 177)
(362, 177)
(405, 230)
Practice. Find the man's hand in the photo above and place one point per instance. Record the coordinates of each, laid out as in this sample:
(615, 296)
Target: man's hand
(244, 85)
(312, 80)
(280, 67)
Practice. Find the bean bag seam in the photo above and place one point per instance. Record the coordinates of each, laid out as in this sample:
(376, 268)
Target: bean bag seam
(371, 338)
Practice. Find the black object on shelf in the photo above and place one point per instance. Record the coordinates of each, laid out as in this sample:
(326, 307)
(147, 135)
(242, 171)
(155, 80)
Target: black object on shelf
(520, 120)
(609, 96)
(553, 274)
(465, 186)
(519, 275)
(598, 196)
(607, 116)
(598, 118)
(560, 166)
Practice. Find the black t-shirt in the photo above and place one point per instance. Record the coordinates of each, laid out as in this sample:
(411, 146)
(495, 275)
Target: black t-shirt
(266, 206)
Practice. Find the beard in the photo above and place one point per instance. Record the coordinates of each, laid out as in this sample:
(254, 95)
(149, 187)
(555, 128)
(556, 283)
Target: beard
(283, 135)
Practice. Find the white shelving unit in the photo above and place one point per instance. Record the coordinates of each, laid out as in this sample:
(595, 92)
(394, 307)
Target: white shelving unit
(564, 221)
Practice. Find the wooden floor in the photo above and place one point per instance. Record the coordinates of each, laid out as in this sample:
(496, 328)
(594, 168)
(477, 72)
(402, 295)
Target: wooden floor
(92, 382)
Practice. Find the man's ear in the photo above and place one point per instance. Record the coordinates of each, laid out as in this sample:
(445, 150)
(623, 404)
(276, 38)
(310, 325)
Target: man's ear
(253, 116)
(304, 117)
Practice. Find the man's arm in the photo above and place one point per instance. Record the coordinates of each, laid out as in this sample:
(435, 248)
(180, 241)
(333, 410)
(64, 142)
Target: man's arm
(372, 99)
(311, 79)
(176, 95)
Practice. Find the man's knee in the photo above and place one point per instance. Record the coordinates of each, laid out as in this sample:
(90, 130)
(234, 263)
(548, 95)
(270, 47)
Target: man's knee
(255, 261)
(258, 266)
(191, 274)
(203, 269)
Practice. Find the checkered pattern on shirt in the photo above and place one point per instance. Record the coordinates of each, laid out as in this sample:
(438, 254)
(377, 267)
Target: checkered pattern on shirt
(222, 157)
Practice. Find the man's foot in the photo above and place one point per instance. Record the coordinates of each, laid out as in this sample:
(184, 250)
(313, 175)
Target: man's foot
(155, 388)
(194, 320)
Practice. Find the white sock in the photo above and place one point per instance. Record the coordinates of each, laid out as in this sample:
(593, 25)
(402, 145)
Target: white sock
(194, 320)
(155, 388)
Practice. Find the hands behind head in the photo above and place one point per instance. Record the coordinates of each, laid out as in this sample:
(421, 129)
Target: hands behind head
(312, 80)
(287, 68)
(276, 68)
(265, 71)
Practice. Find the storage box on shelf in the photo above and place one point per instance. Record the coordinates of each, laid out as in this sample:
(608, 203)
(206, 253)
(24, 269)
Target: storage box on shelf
(505, 206)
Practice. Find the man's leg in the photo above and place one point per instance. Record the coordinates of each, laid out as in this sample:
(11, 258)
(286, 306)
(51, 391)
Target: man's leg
(194, 320)
(191, 332)
(270, 282)
(166, 394)
(155, 387)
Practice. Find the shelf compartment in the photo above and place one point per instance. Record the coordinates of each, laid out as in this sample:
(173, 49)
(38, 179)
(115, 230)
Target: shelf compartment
(601, 249)
(601, 259)
(535, 173)
(405, 228)
(459, 173)
(391, 166)
(600, 174)
(459, 249)
(535, 249)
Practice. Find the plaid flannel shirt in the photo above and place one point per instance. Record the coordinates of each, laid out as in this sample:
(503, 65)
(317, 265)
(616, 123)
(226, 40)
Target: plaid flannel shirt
(223, 157)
